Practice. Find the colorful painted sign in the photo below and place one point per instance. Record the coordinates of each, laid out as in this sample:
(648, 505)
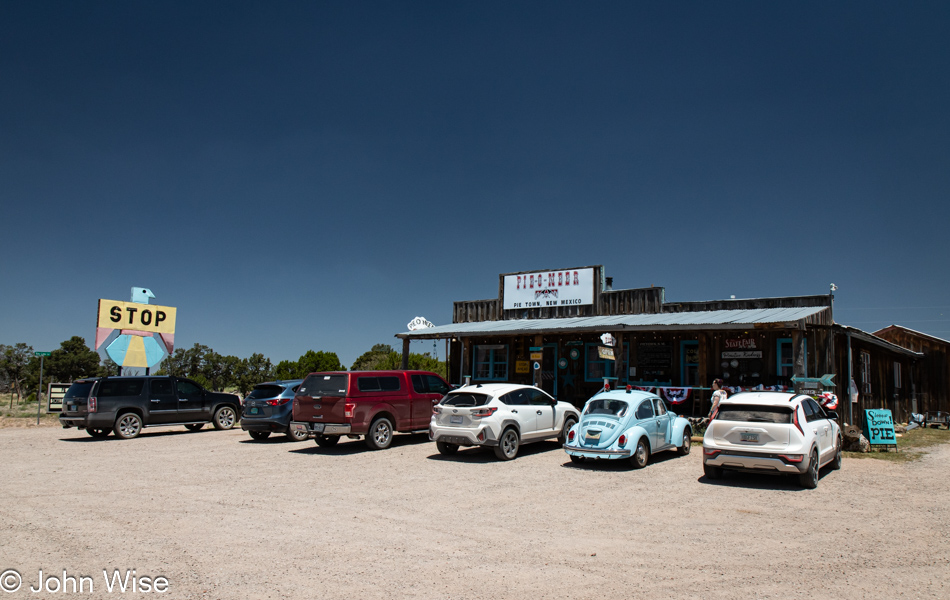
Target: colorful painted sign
(569, 287)
(140, 325)
(879, 427)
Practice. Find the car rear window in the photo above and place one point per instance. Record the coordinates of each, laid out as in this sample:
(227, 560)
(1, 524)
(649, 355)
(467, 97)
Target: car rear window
(265, 391)
(606, 407)
(323, 385)
(749, 413)
(378, 384)
(120, 387)
(80, 389)
(466, 399)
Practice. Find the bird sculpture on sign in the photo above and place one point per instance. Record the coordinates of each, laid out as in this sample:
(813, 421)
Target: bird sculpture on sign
(133, 348)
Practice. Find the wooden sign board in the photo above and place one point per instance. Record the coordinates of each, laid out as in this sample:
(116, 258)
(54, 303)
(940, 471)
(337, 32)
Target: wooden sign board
(522, 366)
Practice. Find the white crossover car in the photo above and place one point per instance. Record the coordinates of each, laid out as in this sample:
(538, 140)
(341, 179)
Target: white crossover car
(499, 415)
(772, 432)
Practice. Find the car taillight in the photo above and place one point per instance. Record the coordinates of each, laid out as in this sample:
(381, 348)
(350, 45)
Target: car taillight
(622, 441)
(792, 458)
(436, 409)
(278, 401)
(93, 405)
(795, 420)
(710, 452)
(570, 435)
(484, 412)
(348, 410)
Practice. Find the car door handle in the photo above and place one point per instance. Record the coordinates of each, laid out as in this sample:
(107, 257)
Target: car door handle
(539, 412)
(514, 411)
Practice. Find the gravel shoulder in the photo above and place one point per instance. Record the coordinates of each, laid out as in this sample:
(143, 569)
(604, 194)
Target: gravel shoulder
(224, 517)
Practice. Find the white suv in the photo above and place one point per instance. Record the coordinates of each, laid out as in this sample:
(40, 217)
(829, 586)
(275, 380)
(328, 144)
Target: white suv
(772, 432)
(499, 415)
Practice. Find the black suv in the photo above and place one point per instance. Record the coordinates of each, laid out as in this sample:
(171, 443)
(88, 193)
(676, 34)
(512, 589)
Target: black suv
(127, 404)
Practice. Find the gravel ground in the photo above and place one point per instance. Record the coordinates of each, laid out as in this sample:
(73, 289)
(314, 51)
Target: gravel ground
(221, 516)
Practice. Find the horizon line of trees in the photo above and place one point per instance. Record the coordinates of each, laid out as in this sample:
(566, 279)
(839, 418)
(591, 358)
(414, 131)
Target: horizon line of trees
(19, 368)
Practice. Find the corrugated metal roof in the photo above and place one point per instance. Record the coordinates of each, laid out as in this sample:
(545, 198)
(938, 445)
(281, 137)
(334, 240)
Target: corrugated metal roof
(712, 319)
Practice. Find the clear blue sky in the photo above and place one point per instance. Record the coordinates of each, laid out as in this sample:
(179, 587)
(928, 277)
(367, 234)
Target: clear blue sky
(301, 175)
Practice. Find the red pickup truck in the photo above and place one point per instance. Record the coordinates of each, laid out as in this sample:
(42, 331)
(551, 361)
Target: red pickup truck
(369, 403)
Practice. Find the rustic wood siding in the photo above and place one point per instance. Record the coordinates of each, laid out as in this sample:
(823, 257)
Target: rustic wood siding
(933, 375)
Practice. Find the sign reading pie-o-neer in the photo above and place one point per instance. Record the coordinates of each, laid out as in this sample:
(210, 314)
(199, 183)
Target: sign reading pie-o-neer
(542, 289)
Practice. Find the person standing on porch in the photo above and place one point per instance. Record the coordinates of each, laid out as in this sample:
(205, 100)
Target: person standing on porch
(718, 395)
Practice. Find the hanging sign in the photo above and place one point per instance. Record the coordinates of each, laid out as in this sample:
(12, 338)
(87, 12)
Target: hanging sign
(607, 339)
(605, 353)
(743, 354)
(522, 366)
(569, 287)
(879, 427)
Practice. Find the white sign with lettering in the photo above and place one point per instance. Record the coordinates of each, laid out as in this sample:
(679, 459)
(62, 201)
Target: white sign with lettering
(549, 289)
(419, 323)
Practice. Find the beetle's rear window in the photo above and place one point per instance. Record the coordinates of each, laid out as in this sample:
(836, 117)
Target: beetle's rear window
(749, 413)
(466, 399)
(606, 407)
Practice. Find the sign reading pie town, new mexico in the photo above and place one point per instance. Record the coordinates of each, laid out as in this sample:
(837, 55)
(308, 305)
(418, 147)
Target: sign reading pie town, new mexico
(568, 287)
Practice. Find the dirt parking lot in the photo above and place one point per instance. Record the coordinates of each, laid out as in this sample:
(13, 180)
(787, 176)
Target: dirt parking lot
(221, 516)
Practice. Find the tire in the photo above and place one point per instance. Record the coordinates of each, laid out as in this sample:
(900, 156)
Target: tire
(568, 423)
(224, 418)
(128, 426)
(508, 444)
(327, 441)
(576, 459)
(380, 434)
(297, 436)
(836, 461)
(641, 456)
(809, 479)
(446, 449)
(712, 472)
(683, 450)
(194, 426)
(97, 432)
(260, 436)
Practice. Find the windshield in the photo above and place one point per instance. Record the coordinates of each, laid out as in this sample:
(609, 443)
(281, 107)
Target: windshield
(749, 413)
(323, 385)
(466, 399)
(606, 407)
(80, 389)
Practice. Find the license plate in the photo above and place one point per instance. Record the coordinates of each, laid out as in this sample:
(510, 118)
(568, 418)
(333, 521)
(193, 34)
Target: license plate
(593, 436)
(749, 437)
(254, 411)
(455, 419)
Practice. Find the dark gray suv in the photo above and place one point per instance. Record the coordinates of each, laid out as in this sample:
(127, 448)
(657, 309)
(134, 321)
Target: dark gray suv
(127, 404)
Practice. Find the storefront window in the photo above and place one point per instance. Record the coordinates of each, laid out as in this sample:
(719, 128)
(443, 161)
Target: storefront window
(491, 362)
(689, 365)
(596, 368)
(786, 360)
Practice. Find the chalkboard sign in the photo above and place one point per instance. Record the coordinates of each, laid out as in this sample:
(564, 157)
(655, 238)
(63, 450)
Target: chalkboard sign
(654, 355)
(879, 427)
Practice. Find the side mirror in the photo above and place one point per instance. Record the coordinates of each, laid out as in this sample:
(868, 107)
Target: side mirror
(832, 414)
(553, 401)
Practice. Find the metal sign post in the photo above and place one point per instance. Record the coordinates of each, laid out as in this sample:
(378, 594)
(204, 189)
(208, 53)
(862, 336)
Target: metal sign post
(39, 389)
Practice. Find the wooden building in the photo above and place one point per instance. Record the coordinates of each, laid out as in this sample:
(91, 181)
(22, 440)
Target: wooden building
(547, 328)
(933, 380)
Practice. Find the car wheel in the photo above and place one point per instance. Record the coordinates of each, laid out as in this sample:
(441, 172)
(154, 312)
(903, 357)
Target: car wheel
(260, 436)
(445, 448)
(380, 434)
(128, 426)
(507, 447)
(576, 459)
(683, 450)
(568, 423)
(712, 472)
(836, 462)
(224, 418)
(97, 432)
(809, 479)
(327, 441)
(641, 455)
(297, 436)
(194, 426)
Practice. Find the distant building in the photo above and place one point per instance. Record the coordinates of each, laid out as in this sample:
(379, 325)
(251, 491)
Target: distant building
(547, 327)
(933, 384)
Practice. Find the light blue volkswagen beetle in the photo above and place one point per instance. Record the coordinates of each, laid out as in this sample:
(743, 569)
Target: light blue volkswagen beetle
(626, 424)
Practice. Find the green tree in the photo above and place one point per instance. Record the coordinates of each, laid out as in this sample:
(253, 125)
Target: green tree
(371, 360)
(71, 361)
(251, 371)
(15, 364)
(213, 368)
(287, 369)
(315, 362)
